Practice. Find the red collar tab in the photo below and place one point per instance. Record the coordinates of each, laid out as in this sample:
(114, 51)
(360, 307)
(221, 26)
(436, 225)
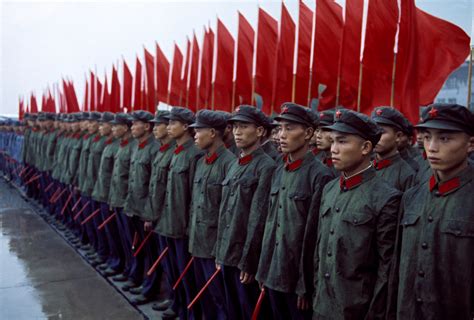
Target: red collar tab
(96, 138)
(245, 159)
(315, 151)
(444, 187)
(76, 136)
(381, 164)
(109, 141)
(350, 183)
(85, 136)
(143, 144)
(212, 158)
(433, 113)
(123, 143)
(179, 149)
(425, 156)
(164, 147)
(293, 166)
(328, 161)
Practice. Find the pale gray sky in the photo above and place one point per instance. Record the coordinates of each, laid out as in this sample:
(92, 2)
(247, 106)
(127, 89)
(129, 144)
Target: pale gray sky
(42, 41)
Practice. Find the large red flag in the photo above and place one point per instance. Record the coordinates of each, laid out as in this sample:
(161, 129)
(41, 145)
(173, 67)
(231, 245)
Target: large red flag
(21, 109)
(93, 89)
(305, 29)
(127, 88)
(191, 98)
(184, 75)
(244, 62)
(162, 75)
(85, 105)
(205, 78)
(98, 94)
(283, 77)
(150, 81)
(267, 39)
(175, 90)
(223, 69)
(137, 101)
(105, 104)
(71, 97)
(115, 92)
(33, 104)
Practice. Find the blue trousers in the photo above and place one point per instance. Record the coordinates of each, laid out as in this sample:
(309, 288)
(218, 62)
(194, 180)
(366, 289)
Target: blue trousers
(283, 306)
(110, 231)
(126, 238)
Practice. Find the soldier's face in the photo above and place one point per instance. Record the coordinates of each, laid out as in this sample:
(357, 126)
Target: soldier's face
(348, 151)
(84, 125)
(246, 134)
(176, 129)
(105, 129)
(388, 141)
(276, 136)
(139, 129)
(118, 130)
(419, 139)
(75, 126)
(293, 136)
(204, 137)
(323, 139)
(160, 131)
(446, 150)
(403, 142)
(93, 127)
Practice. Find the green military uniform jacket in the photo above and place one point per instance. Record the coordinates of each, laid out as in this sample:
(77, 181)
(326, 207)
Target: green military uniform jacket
(325, 158)
(139, 176)
(119, 190)
(58, 156)
(355, 246)
(396, 172)
(93, 163)
(174, 219)
(206, 198)
(74, 154)
(50, 150)
(84, 157)
(243, 211)
(158, 180)
(407, 156)
(270, 149)
(64, 160)
(232, 147)
(26, 145)
(286, 263)
(41, 150)
(102, 185)
(436, 277)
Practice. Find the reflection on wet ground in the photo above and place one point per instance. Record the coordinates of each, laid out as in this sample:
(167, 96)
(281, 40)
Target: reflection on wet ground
(41, 277)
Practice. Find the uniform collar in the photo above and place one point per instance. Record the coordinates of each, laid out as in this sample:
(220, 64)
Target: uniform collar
(86, 136)
(295, 165)
(443, 188)
(183, 146)
(124, 142)
(109, 140)
(327, 160)
(143, 144)
(315, 151)
(96, 138)
(357, 179)
(244, 160)
(211, 158)
(385, 163)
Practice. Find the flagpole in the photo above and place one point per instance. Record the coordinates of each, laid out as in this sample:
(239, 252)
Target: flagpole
(252, 100)
(212, 95)
(359, 91)
(293, 89)
(469, 80)
(233, 95)
(392, 93)
(310, 83)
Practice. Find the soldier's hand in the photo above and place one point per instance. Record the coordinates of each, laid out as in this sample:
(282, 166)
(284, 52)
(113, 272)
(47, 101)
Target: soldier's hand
(148, 226)
(218, 266)
(246, 278)
(302, 303)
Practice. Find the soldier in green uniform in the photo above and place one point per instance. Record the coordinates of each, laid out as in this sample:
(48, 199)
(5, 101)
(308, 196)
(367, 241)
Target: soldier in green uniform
(406, 150)
(243, 211)
(286, 264)
(173, 222)
(266, 144)
(206, 198)
(357, 227)
(388, 163)
(436, 277)
(323, 139)
(229, 141)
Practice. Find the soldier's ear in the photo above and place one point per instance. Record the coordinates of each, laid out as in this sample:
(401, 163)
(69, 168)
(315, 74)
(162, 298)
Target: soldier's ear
(367, 148)
(260, 131)
(309, 133)
(471, 144)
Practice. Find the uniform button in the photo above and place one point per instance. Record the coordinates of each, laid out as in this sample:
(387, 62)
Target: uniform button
(199, 207)
(227, 226)
(329, 253)
(337, 209)
(421, 273)
(458, 232)
(276, 243)
(430, 218)
(326, 275)
(283, 188)
(280, 206)
(232, 194)
(202, 192)
(424, 245)
(331, 231)
(419, 300)
(278, 225)
(355, 220)
(437, 193)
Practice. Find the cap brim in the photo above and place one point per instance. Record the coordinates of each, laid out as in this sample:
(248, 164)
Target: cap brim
(159, 121)
(290, 117)
(241, 118)
(342, 127)
(441, 125)
(388, 122)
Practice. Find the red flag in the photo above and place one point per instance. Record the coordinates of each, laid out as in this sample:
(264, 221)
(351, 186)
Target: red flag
(48, 103)
(127, 87)
(267, 39)
(21, 109)
(93, 89)
(33, 104)
(150, 81)
(175, 78)
(137, 101)
(115, 92)
(71, 98)
(184, 75)
(99, 94)
(162, 74)
(105, 104)
(305, 29)
(283, 77)
(326, 51)
(223, 69)
(85, 105)
(205, 79)
(244, 62)
(193, 76)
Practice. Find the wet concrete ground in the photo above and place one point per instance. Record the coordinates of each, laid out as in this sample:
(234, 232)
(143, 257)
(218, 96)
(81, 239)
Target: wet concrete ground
(42, 277)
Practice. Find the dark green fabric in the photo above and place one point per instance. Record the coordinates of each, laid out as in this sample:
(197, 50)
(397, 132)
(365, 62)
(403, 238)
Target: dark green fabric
(158, 180)
(243, 212)
(206, 199)
(75, 147)
(104, 177)
(58, 156)
(50, 150)
(139, 176)
(26, 145)
(270, 149)
(84, 157)
(437, 246)
(120, 173)
(174, 219)
(64, 159)
(398, 174)
(286, 262)
(93, 163)
(356, 240)
(408, 158)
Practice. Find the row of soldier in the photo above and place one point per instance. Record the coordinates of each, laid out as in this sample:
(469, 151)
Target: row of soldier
(326, 216)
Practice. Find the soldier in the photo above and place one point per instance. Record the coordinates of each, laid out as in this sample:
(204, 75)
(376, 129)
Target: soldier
(174, 219)
(286, 264)
(323, 139)
(437, 235)
(388, 163)
(206, 198)
(243, 211)
(266, 144)
(357, 226)
(228, 135)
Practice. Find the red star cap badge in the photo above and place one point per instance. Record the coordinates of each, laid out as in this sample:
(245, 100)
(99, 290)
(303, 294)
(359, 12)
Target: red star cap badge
(321, 114)
(433, 113)
(379, 112)
(284, 110)
(338, 114)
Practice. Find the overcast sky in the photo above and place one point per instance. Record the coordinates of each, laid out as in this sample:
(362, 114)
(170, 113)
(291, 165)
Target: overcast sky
(42, 41)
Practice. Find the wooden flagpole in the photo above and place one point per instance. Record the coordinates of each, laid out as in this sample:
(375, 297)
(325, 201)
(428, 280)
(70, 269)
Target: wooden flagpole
(293, 89)
(392, 93)
(359, 90)
(233, 95)
(469, 80)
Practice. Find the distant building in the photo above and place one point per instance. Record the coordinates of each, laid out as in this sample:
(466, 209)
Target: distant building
(454, 89)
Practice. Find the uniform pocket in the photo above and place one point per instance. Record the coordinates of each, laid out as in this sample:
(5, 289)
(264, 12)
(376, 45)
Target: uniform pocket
(357, 218)
(301, 201)
(458, 228)
(409, 220)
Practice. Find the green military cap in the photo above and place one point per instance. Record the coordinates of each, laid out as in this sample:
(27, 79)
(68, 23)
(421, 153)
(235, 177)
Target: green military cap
(210, 119)
(389, 116)
(142, 115)
(95, 116)
(250, 114)
(295, 113)
(451, 117)
(76, 116)
(85, 115)
(182, 115)
(326, 117)
(161, 116)
(352, 122)
(107, 117)
(122, 118)
(49, 116)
